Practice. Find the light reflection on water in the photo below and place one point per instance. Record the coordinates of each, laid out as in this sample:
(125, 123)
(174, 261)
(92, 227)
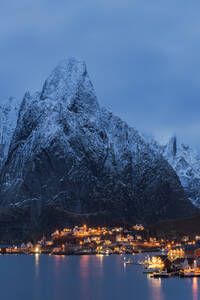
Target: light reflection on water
(84, 272)
(155, 285)
(87, 278)
(195, 288)
(36, 261)
(84, 266)
(36, 257)
(98, 259)
(90, 267)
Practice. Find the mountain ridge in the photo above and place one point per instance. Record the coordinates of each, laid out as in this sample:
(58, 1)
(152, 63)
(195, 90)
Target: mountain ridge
(69, 153)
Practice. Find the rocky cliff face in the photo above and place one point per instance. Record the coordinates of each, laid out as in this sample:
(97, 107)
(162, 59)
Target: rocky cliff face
(77, 161)
(8, 119)
(186, 163)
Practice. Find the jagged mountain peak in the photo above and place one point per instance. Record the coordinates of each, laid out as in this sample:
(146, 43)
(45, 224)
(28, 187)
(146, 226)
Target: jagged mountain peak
(70, 83)
(171, 147)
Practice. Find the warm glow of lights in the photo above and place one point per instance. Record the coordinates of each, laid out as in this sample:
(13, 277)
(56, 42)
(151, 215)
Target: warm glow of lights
(138, 227)
(37, 250)
(154, 263)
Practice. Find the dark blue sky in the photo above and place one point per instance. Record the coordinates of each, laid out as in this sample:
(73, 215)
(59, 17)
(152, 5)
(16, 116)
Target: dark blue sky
(143, 56)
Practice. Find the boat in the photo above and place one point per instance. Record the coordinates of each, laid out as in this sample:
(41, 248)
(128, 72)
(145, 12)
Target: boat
(129, 261)
(105, 252)
(150, 271)
(189, 273)
(162, 274)
(58, 253)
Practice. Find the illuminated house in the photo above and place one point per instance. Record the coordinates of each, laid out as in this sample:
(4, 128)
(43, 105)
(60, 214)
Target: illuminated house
(176, 252)
(197, 237)
(159, 262)
(29, 245)
(185, 238)
(138, 227)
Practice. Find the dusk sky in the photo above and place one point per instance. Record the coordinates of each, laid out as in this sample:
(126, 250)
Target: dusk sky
(143, 57)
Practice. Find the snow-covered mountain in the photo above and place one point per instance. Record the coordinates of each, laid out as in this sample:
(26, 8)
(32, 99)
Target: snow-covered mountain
(8, 119)
(186, 163)
(71, 160)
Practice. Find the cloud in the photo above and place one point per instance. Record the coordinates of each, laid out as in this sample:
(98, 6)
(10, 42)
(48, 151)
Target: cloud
(142, 56)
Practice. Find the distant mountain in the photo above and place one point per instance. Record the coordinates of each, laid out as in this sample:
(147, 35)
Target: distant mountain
(186, 163)
(71, 161)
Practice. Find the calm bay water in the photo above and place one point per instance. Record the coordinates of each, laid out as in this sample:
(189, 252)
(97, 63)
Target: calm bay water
(45, 277)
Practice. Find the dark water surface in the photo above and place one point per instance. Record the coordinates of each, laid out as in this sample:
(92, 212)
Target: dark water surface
(44, 277)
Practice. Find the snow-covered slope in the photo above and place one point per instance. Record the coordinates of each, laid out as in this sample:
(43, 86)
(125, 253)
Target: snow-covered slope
(8, 119)
(186, 162)
(70, 154)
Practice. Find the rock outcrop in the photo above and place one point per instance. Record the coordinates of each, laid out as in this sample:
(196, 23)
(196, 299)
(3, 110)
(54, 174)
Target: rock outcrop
(186, 163)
